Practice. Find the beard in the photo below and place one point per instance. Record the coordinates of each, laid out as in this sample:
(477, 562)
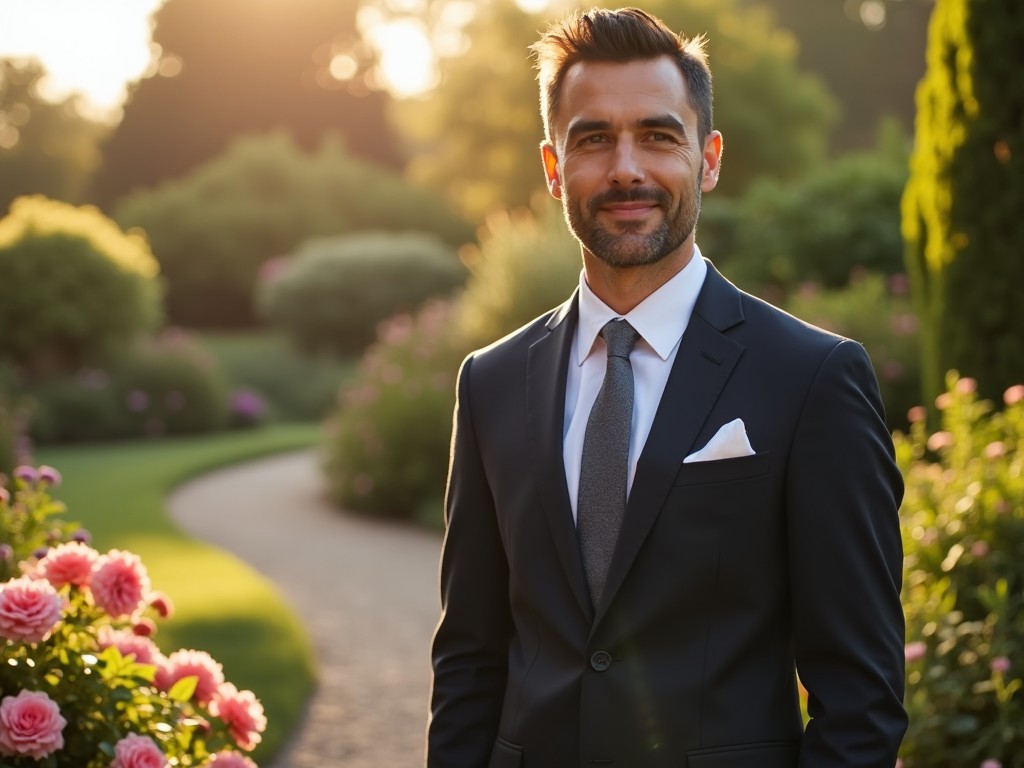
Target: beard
(627, 246)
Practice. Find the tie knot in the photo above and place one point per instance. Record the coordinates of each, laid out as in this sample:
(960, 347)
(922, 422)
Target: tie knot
(620, 337)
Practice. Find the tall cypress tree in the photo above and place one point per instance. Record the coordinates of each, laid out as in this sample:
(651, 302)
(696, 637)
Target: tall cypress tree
(963, 208)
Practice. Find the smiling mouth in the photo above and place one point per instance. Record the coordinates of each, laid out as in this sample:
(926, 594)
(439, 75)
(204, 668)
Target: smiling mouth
(630, 210)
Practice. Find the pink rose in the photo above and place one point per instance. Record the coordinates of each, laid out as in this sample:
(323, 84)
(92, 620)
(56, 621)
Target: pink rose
(242, 712)
(29, 609)
(30, 724)
(229, 760)
(1000, 664)
(186, 663)
(70, 563)
(1014, 394)
(135, 751)
(128, 643)
(120, 583)
(915, 650)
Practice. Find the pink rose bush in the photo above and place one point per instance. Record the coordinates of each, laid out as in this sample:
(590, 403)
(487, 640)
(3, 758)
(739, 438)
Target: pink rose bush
(963, 590)
(82, 683)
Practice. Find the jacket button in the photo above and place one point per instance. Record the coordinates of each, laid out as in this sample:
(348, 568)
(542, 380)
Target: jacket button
(600, 661)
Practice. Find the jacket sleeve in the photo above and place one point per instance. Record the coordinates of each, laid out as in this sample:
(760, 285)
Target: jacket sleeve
(846, 564)
(470, 647)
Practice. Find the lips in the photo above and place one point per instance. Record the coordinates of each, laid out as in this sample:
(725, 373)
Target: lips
(630, 210)
(632, 204)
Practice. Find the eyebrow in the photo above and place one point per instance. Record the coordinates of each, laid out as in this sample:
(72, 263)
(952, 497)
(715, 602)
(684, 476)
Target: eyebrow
(666, 122)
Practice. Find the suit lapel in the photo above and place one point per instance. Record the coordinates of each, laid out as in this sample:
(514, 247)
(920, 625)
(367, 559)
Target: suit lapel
(547, 366)
(704, 362)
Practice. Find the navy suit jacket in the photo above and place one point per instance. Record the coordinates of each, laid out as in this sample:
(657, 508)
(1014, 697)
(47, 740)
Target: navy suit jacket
(728, 577)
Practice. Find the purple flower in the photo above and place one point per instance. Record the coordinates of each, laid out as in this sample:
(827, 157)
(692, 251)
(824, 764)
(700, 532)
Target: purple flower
(1000, 664)
(991, 763)
(247, 404)
(26, 474)
(81, 535)
(137, 401)
(40, 552)
(49, 476)
(6, 552)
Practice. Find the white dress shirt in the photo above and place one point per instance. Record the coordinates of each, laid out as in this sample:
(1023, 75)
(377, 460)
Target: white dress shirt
(660, 319)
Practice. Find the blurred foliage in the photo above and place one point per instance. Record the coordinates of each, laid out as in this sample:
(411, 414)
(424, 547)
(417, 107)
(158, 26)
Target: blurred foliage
(213, 229)
(962, 208)
(963, 531)
(838, 219)
(887, 44)
(331, 295)
(387, 443)
(235, 67)
(876, 312)
(73, 287)
(294, 386)
(167, 385)
(46, 148)
(477, 135)
(526, 263)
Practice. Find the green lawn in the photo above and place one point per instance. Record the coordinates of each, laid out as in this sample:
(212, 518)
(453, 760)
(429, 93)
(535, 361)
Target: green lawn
(225, 607)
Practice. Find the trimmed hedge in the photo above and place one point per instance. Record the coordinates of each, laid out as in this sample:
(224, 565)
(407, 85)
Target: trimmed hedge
(74, 288)
(331, 295)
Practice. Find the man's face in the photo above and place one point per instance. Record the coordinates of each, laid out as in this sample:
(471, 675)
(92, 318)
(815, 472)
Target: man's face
(627, 163)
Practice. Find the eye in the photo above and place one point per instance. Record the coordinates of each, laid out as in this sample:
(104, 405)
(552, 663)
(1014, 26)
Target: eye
(661, 137)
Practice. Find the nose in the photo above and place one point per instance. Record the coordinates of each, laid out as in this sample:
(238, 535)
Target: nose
(626, 168)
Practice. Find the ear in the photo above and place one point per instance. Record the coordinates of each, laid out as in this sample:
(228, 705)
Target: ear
(712, 161)
(547, 153)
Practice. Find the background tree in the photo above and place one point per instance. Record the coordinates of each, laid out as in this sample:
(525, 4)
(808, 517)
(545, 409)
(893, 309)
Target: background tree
(46, 148)
(869, 53)
(962, 206)
(230, 67)
(213, 229)
(477, 135)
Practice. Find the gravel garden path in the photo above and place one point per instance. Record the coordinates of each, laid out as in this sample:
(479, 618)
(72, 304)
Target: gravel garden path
(365, 590)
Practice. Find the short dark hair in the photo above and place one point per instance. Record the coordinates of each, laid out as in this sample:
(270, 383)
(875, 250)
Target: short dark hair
(623, 35)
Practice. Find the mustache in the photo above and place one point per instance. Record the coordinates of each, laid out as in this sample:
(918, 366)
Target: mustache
(634, 195)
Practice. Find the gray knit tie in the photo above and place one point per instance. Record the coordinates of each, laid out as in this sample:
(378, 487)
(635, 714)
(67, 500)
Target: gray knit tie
(603, 470)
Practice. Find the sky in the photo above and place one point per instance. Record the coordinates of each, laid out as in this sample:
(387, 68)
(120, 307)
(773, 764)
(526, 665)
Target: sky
(96, 47)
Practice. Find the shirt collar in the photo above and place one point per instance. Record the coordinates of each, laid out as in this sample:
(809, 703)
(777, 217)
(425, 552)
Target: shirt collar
(660, 319)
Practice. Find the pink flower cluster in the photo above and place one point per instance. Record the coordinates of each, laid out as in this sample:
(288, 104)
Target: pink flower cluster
(242, 712)
(229, 760)
(134, 751)
(102, 599)
(187, 663)
(29, 610)
(30, 725)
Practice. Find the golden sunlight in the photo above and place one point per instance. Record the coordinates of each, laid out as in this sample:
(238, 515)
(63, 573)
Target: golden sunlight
(93, 49)
(407, 63)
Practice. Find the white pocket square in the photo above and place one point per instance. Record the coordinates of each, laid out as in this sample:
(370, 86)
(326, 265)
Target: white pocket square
(729, 442)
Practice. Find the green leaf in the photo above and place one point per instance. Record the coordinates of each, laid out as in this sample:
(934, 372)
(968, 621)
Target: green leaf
(184, 689)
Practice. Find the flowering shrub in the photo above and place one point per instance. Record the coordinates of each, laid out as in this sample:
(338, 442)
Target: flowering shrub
(963, 530)
(876, 311)
(387, 445)
(82, 684)
(162, 385)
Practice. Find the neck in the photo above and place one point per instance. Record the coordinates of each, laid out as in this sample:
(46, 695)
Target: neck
(623, 288)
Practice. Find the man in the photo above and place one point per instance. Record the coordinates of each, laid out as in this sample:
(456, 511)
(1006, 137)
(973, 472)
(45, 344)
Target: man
(760, 536)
